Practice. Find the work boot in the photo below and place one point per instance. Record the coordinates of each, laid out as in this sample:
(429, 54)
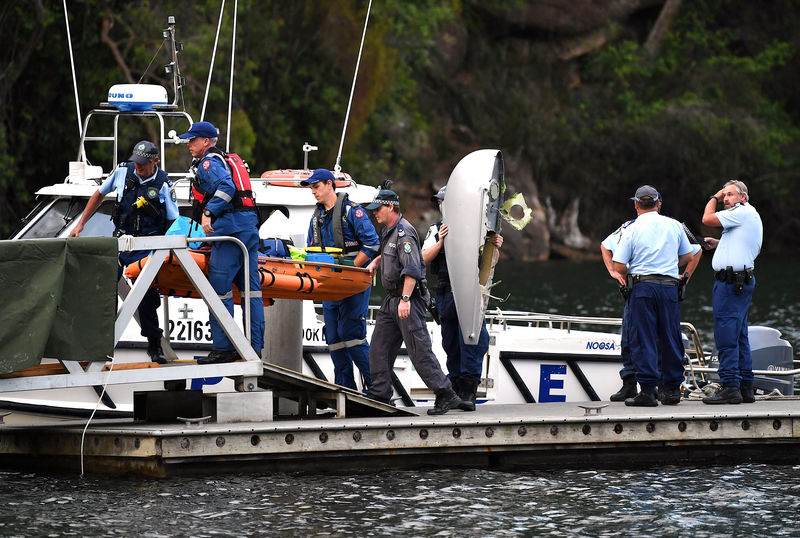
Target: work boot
(467, 390)
(646, 398)
(726, 395)
(670, 396)
(155, 351)
(218, 356)
(628, 389)
(446, 399)
(381, 399)
(748, 396)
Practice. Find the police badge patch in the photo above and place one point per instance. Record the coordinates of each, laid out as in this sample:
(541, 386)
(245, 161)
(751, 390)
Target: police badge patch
(407, 247)
(140, 147)
(173, 196)
(152, 193)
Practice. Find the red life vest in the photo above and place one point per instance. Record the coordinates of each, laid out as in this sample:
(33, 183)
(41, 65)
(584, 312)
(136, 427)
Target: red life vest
(243, 199)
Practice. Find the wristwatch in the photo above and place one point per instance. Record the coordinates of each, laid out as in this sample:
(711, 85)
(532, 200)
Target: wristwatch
(405, 298)
(714, 196)
(208, 213)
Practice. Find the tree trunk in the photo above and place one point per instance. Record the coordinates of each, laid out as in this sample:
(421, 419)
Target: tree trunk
(655, 41)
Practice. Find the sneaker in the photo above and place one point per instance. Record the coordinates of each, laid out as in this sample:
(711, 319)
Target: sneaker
(727, 395)
(748, 396)
(155, 352)
(219, 357)
(671, 396)
(446, 399)
(646, 398)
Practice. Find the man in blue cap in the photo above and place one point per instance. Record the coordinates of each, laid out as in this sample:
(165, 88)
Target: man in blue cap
(464, 361)
(223, 216)
(651, 249)
(146, 205)
(340, 223)
(401, 317)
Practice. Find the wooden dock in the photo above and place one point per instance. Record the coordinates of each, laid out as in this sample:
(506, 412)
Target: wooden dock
(563, 435)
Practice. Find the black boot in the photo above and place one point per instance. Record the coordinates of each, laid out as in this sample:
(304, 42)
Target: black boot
(219, 357)
(467, 390)
(628, 389)
(726, 395)
(646, 398)
(446, 400)
(155, 351)
(748, 396)
(670, 396)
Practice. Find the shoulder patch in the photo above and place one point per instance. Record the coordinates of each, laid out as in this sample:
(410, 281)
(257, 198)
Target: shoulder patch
(359, 213)
(407, 247)
(172, 195)
(206, 164)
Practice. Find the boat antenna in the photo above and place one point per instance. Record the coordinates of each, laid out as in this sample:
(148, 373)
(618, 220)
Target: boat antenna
(213, 57)
(338, 167)
(72, 65)
(173, 68)
(230, 89)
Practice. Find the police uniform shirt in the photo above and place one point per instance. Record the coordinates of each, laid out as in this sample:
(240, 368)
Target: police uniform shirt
(360, 229)
(651, 245)
(116, 182)
(610, 243)
(742, 234)
(400, 256)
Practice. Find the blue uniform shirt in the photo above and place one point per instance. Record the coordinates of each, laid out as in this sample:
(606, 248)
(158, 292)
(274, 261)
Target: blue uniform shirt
(651, 245)
(116, 182)
(610, 243)
(359, 229)
(742, 234)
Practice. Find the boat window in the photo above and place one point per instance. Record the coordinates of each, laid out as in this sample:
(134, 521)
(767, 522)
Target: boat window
(55, 218)
(100, 224)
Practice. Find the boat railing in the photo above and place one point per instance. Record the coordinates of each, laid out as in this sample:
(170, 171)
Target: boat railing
(164, 111)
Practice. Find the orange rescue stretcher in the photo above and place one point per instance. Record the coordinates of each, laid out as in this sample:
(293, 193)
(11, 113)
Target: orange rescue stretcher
(280, 278)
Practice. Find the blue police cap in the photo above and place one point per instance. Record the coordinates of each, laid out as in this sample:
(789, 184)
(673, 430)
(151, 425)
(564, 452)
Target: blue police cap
(384, 197)
(320, 174)
(439, 195)
(144, 152)
(646, 193)
(201, 128)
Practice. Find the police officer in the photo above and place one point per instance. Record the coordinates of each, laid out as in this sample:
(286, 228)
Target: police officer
(651, 250)
(338, 222)
(607, 247)
(221, 216)
(401, 317)
(464, 361)
(146, 205)
(733, 262)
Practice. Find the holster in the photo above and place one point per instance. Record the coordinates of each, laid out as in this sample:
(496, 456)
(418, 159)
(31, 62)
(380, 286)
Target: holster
(625, 290)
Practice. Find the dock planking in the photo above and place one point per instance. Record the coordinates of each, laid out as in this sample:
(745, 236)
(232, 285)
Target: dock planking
(506, 437)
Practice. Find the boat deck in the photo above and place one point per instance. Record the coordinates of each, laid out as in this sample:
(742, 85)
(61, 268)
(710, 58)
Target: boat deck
(494, 436)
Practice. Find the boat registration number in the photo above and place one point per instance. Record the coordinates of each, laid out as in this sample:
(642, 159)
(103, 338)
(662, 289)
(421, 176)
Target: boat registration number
(187, 330)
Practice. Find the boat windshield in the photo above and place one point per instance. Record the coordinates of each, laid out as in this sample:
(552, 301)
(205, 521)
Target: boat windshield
(53, 220)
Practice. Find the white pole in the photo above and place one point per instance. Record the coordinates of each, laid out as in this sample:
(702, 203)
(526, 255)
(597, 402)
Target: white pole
(211, 67)
(230, 90)
(72, 64)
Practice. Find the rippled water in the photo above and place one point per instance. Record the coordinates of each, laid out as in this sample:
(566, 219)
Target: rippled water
(713, 501)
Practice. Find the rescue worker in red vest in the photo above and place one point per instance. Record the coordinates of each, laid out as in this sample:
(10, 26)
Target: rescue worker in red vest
(401, 317)
(226, 212)
(146, 205)
(341, 223)
(464, 361)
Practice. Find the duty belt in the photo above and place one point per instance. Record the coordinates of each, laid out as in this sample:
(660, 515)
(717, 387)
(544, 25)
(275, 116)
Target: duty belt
(729, 275)
(664, 280)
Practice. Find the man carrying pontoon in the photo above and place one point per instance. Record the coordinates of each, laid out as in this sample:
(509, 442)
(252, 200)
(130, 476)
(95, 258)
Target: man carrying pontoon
(338, 222)
(733, 263)
(464, 361)
(146, 205)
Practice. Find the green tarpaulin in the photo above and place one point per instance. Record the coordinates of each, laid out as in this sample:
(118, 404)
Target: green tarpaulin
(58, 300)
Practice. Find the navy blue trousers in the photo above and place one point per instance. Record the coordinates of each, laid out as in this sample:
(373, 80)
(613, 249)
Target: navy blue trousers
(346, 333)
(730, 332)
(463, 360)
(655, 325)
